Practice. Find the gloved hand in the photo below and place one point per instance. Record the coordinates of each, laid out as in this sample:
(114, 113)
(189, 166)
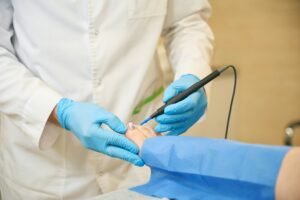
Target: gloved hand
(84, 120)
(179, 117)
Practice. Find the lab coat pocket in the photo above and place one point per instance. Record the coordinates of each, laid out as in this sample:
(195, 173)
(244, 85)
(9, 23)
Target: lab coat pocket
(146, 8)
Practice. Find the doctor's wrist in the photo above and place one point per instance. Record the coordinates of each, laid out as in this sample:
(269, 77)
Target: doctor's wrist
(53, 117)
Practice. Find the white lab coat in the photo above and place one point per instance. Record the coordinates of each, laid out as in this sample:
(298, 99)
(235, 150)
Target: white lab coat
(92, 51)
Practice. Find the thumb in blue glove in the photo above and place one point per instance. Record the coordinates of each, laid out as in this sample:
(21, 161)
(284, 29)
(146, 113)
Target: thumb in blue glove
(84, 120)
(179, 117)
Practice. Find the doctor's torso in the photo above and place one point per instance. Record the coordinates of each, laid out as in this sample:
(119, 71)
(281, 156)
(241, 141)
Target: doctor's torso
(93, 51)
(101, 51)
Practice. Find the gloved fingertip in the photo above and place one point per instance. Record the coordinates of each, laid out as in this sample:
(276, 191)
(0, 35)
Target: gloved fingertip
(170, 110)
(160, 119)
(119, 127)
(115, 124)
(169, 93)
(172, 134)
(122, 129)
(139, 163)
(157, 129)
(160, 128)
(166, 98)
(177, 132)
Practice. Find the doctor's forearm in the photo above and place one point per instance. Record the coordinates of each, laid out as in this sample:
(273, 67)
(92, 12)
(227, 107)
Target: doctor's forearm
(189, 46)
(25, 99)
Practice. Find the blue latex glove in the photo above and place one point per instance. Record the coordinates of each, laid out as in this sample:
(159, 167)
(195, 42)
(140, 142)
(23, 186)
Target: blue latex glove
(179, 117)
(84, 120)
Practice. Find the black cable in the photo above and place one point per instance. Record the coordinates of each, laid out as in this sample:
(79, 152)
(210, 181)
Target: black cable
(196, 87)
(232, 97)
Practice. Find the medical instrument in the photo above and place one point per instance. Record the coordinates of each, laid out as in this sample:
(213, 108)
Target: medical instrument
(193, 89)
(179, 117)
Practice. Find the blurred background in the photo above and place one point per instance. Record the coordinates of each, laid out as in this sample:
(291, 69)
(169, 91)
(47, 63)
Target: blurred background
(262, 39)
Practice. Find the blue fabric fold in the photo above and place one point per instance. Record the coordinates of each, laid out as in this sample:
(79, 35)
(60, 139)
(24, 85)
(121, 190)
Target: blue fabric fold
(201, 168)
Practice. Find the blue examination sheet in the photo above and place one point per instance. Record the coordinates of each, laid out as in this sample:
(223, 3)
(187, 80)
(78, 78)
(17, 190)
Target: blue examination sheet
(200, 168)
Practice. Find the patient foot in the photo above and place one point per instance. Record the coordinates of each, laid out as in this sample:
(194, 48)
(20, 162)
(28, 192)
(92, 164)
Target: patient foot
(138, 134)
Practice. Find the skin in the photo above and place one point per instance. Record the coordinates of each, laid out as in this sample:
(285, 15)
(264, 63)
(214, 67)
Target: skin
(288, 181)
(53, 117)
(138, 134)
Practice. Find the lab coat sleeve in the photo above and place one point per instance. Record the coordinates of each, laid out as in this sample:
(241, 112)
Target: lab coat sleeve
(24, 98)
(188, 38)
